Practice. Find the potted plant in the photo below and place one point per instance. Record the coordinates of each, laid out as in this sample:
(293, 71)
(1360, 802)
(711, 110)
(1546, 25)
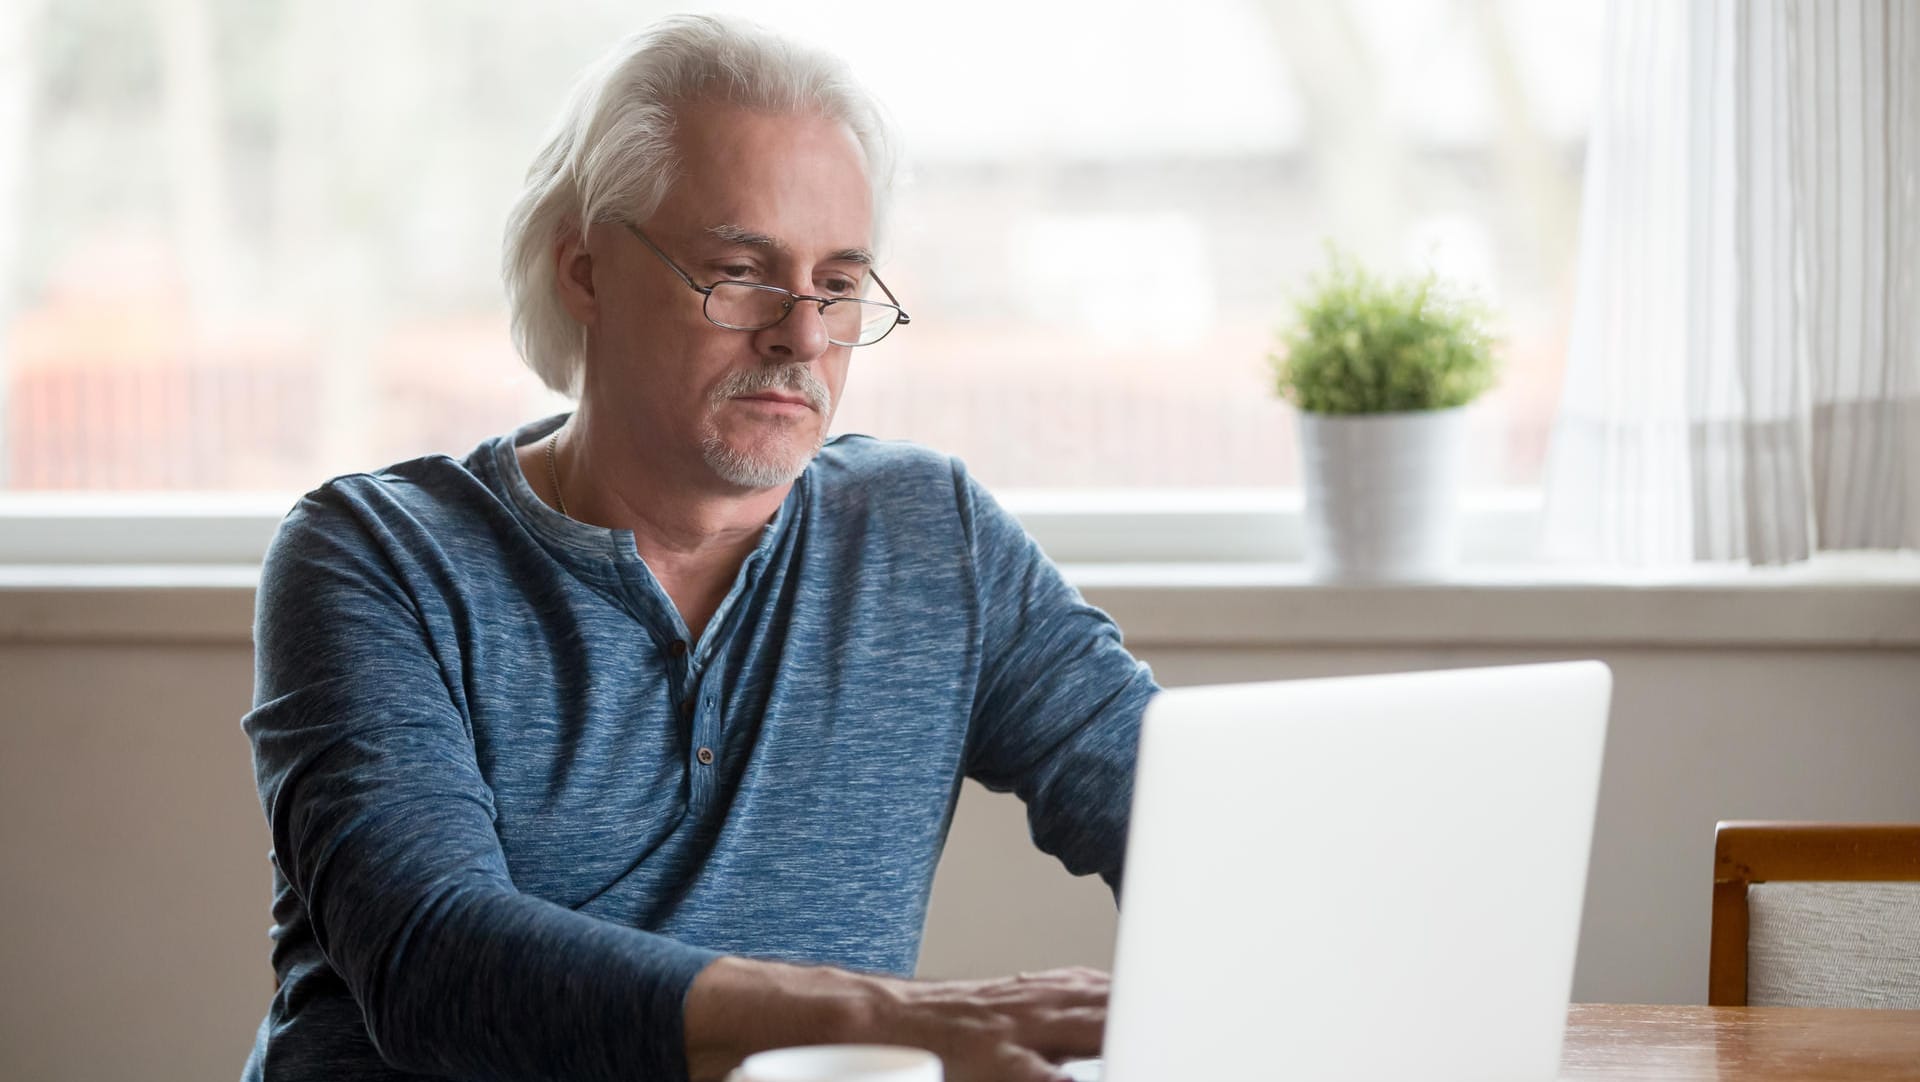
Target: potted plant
(1381, 372)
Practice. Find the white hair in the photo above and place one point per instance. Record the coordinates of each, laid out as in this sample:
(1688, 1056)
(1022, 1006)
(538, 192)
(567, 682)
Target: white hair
(611, 153)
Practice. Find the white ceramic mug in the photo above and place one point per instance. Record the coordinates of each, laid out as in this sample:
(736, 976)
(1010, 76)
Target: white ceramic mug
(841, 1063)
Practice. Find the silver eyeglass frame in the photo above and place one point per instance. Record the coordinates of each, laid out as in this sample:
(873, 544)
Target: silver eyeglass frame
(787, 305)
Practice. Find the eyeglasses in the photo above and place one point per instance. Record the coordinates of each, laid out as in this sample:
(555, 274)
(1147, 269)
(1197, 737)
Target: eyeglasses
(750, 306)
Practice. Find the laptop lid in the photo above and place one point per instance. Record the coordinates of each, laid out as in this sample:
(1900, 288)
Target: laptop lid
(1358, 878)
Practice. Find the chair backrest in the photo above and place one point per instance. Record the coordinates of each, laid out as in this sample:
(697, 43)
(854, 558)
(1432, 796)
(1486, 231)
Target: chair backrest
(1816, 915)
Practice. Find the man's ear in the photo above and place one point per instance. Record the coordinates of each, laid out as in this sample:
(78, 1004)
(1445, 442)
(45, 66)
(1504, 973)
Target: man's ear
(573, 277)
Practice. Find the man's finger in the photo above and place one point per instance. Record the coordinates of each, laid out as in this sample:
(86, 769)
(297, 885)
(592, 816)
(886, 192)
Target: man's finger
(1067, 1033)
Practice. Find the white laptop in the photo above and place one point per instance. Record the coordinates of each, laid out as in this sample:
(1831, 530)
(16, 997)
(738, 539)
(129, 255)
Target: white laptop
(1374, 877)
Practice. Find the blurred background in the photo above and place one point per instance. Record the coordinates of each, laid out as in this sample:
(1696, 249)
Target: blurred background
(246, 245)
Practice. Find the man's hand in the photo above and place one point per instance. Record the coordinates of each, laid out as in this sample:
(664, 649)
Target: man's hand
(1012, 1029)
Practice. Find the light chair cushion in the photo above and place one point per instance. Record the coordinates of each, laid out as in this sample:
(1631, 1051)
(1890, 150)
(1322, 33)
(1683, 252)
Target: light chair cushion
(1833, 945)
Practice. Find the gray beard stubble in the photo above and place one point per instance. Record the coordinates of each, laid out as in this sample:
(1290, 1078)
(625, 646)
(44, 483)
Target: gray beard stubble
(749, 469)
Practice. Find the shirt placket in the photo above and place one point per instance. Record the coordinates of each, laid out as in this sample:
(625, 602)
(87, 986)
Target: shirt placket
(700, 713)
(696, 681)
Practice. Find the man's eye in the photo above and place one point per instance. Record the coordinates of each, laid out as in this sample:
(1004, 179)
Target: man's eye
(736, 271)
(840, 287)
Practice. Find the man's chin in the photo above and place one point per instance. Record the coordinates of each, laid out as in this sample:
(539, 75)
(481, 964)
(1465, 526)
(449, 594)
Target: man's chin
(759, 467)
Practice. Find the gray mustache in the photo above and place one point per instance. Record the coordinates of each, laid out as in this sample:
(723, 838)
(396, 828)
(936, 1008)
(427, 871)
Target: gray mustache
(793, 378)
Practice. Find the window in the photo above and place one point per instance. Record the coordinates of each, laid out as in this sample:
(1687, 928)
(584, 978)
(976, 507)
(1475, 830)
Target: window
(249, 244)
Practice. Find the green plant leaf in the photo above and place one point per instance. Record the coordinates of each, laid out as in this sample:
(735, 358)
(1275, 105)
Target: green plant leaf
(1361, 344)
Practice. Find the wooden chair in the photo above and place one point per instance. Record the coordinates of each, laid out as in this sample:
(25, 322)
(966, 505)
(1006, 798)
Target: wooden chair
(1749, 853)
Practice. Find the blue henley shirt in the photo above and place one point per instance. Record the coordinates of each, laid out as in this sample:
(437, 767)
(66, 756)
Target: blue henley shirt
(515, 810)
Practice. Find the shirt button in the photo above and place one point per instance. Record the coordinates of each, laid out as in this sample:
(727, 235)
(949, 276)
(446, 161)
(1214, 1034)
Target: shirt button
(705, 756)
(678, 648)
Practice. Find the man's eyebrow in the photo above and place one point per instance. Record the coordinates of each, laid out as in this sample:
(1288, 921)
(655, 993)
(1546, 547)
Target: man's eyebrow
(733, 234)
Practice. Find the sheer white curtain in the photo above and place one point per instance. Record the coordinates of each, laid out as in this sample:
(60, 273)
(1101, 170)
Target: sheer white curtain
(1743, 378)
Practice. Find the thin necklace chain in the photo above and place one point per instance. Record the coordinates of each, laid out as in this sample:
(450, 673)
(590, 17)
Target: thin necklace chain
(553, 471)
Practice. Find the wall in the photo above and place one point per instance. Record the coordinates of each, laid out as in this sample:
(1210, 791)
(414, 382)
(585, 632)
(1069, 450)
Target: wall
(136, 879)
(136, 883)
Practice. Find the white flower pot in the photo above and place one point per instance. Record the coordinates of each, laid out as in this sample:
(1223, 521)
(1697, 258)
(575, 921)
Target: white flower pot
(1382, 494)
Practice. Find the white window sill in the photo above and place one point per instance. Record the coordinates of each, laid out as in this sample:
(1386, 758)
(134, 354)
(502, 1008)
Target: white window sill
(1870, 601)
(1866, 602)
(1202, 568)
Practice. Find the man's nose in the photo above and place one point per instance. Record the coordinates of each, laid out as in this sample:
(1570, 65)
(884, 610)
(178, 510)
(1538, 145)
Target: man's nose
(801, 336)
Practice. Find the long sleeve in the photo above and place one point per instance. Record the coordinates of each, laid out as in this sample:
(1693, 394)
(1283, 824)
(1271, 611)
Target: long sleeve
(1058, 708)
(383, 826)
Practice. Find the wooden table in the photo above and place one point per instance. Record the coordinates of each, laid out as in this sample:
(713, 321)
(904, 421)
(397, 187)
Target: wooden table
(1746, 1043)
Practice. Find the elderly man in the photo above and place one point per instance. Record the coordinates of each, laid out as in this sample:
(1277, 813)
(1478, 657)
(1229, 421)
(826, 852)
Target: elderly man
(626, 745)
